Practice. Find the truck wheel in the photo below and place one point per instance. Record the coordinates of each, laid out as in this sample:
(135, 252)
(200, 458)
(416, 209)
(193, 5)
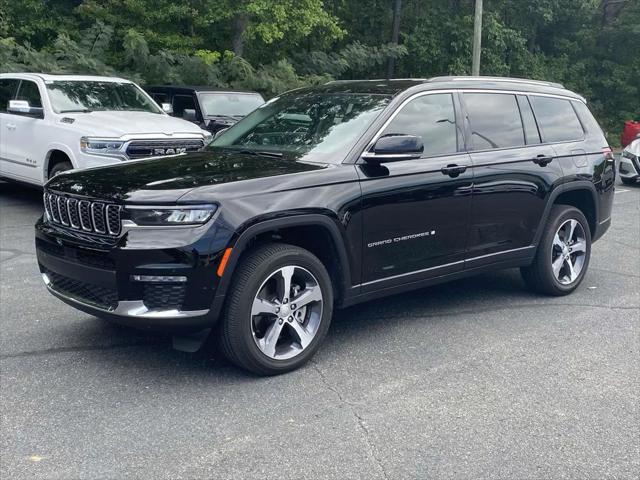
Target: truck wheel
(60, 167)
(563, 253)
(278, 309)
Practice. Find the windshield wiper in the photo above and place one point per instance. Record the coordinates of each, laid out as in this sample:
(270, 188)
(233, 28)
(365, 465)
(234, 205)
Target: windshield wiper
(262, 154)
(76, 110)
(228, 117)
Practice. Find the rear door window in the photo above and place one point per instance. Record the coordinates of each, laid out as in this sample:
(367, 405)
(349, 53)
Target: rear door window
(557, 119)
(431, 117)
(8, 89)
(495, 120)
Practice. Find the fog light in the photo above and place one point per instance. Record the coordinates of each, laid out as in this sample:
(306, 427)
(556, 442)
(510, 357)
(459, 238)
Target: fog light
(158, 278)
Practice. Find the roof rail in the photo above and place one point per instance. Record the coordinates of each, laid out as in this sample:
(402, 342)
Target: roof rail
(496, 79)
(377, 80)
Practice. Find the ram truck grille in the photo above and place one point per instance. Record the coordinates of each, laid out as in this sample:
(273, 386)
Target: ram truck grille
(155, 148)
(83, 215)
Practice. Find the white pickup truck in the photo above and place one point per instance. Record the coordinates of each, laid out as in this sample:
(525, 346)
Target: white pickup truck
(52, 123)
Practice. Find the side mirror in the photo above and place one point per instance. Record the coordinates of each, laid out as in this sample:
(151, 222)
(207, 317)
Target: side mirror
(167, 108)
(22, 107)
(394, 148)
(189, 114)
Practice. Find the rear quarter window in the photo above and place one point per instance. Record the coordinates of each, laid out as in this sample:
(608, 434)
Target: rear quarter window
(588, 120)
(557, 119)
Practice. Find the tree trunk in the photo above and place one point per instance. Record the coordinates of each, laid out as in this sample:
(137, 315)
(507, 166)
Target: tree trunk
(395, 36)
(240, 23)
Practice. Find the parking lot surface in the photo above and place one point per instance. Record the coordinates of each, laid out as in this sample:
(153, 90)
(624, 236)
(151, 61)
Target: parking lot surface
(473, 379)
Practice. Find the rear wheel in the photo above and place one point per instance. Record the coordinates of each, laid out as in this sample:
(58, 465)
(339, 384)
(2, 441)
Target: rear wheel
(278, 310)
(563, 253)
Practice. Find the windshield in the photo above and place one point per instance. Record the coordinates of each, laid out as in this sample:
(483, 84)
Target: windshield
(312, 126)
(87, 96)
(229, 104)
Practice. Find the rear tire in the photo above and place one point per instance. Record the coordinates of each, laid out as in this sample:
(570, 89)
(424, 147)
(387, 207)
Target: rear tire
(59, 168)
(563, 254)
(263, 329)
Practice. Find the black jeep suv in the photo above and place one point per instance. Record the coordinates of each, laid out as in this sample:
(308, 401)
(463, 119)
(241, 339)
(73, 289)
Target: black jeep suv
(330, 196)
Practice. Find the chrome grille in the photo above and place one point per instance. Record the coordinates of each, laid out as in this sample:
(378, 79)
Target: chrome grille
(155, 148)
(93, 217)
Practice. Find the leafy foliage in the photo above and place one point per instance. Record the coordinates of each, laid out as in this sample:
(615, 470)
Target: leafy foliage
(275, 45)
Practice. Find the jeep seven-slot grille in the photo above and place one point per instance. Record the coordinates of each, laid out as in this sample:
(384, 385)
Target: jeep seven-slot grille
(156, 148)
(90, 217)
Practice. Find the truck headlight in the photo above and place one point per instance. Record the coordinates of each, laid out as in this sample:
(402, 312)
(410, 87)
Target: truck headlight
(101, 146)
(159, 216)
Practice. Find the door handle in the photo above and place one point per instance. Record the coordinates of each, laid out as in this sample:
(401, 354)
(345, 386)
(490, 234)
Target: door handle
(543, 160)
(453, 170)
(11, 126)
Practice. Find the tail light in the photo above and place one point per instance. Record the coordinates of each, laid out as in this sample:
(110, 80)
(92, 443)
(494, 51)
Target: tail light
(608, 154)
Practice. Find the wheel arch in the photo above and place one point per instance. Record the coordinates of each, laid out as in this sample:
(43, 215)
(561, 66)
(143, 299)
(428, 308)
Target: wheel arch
(579, 194)
(56, 154)
(294, 230)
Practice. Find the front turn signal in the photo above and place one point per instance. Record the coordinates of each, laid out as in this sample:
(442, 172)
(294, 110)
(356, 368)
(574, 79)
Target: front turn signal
(224, 261)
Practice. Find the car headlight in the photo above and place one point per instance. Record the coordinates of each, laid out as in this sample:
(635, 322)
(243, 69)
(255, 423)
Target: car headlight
(159, 216)
(101, 146)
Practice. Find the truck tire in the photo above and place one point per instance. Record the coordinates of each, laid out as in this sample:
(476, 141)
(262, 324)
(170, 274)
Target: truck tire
(563, 254)
(278, 309)
(60, 167)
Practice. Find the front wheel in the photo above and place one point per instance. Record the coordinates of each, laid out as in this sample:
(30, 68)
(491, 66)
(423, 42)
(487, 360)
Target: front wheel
(278, 310)
(59, 168)
(563, 253)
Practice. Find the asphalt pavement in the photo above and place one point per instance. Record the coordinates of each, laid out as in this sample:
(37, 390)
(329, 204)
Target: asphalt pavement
(478, 378)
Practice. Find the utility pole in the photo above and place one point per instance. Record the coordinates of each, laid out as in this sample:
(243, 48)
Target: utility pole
(477, 39)
(395, 36)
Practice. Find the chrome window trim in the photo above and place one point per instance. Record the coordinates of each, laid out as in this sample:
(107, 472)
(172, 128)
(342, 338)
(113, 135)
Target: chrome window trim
(366, 150)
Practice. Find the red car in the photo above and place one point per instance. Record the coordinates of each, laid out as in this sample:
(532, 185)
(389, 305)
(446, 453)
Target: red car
(630, 132)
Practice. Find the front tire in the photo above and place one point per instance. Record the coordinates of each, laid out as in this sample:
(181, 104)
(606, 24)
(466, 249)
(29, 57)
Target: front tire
(59, 168)
(278, 310)
(563, 254)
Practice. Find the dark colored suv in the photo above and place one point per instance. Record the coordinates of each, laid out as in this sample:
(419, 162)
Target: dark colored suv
(330, 196)
(213, 109)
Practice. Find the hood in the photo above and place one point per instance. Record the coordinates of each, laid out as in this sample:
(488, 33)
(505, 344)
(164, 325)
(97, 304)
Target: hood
(165, 180)
(118, 123)
(634, 147)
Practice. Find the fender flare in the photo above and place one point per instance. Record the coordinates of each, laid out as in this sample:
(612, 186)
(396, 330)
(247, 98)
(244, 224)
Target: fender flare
(50, 149)
(240, 245)
(555, 193)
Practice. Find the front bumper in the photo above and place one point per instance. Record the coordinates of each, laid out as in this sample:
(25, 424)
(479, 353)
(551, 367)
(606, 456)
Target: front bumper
(629, 168)
(100, 279)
